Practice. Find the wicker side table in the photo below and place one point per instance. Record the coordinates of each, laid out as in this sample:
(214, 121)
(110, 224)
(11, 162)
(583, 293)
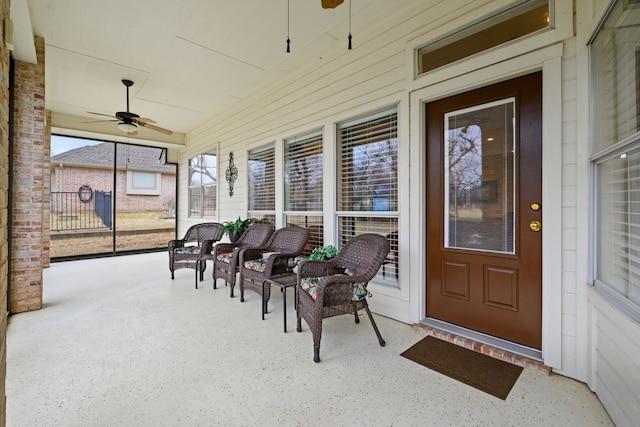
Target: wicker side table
(200, 275)
(284, 281)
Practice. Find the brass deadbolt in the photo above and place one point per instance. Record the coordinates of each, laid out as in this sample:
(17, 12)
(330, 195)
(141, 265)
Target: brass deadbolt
(535, 207)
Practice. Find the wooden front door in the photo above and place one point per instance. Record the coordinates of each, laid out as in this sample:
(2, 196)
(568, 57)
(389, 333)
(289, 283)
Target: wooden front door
(484, 213)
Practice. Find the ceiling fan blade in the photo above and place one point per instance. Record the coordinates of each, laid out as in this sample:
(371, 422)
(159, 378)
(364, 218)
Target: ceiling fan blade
(100, 114)
(331, 4)
(145, 120)
(101, 121)
(153, 127)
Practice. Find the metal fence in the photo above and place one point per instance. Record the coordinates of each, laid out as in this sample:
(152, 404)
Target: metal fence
(81, 210)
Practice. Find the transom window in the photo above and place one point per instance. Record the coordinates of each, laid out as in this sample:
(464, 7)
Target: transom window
(520, 19)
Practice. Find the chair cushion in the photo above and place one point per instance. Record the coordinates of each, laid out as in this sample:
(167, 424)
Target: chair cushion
(360, 292)
(310, 285)
(188, 250)
(225, 257)
(258, 265)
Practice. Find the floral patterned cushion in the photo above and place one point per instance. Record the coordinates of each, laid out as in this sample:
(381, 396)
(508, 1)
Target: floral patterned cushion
(310, 285)
(360, 292)
(225, 257)
(188, 250)
(256, 264)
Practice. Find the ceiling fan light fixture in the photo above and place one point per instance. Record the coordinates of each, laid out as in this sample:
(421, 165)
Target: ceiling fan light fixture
(127, 127)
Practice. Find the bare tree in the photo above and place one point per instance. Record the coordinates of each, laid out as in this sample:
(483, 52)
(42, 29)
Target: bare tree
(465, 162)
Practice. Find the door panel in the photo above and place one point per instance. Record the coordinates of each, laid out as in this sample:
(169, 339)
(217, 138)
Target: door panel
(484, 182)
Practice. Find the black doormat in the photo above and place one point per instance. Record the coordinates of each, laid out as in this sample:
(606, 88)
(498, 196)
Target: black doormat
(478, 370)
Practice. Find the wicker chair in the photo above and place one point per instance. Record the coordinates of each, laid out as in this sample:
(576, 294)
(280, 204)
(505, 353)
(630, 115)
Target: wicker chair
(285, 244)
(227, 255)
(182, 255)
(338, 286)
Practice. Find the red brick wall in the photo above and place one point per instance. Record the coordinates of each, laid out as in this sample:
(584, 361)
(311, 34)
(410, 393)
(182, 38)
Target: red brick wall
(28, 184)
(46, 201)
(4, 204)
(71, 178)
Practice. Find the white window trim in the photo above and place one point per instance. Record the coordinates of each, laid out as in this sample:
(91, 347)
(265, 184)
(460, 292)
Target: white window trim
(549, 59)
(144, 191)
(201, 186)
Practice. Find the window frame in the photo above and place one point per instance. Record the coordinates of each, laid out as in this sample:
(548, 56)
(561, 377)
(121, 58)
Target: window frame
(603, 153)
(203, 189)
(372, 218)
(312, 145)
(147, 191)
(267, 215)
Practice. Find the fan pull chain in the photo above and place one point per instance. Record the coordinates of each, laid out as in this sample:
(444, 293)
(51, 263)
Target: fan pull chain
(288, 20)
(349, 47)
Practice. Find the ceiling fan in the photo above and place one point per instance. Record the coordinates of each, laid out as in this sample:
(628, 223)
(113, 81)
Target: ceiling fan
(331, 4)
(128, 122)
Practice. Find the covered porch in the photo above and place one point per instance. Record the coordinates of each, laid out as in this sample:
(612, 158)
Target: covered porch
(120, 343)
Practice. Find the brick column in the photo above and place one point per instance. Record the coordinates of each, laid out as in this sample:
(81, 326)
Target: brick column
(28, 184)
(4, 205)
(46, 199)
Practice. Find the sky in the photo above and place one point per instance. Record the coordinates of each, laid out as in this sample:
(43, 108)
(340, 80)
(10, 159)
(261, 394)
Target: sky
(60, 144)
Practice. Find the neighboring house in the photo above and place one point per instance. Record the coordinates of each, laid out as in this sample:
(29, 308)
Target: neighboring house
(142, 182)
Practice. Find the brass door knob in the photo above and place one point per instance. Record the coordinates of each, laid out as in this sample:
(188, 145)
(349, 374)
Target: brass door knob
(535, 225)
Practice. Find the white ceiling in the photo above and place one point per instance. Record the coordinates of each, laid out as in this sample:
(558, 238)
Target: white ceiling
(188, 59)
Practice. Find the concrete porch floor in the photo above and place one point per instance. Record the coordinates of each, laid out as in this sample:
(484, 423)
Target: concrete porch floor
(119, 343)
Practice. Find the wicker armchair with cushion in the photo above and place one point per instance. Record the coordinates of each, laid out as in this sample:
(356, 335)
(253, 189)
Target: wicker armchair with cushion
(199, 239)
(339, 286)
(227, 255)
(274, 258)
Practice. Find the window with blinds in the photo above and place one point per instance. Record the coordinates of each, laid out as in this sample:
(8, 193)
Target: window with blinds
(615, 69)
(262, 182)
(367, 181)
(303, 179)
(203, 185)
(368, 164)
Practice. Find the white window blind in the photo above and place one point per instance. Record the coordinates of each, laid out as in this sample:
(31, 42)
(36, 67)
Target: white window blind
(615, 70)
(367, 183)
(368, 164)
(303, 178)
(262, 181)
(619, 219)
(303, 164)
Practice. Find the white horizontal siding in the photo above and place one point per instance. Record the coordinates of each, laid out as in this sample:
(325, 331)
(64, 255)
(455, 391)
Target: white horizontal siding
(379, 73)
(608, 347)
(617, 362)
(333, 89)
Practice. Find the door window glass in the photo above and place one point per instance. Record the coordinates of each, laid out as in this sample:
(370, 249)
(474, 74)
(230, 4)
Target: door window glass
(479, 177)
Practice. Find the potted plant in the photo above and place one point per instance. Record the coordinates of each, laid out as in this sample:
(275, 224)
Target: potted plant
(323, 253)
(234, 229)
